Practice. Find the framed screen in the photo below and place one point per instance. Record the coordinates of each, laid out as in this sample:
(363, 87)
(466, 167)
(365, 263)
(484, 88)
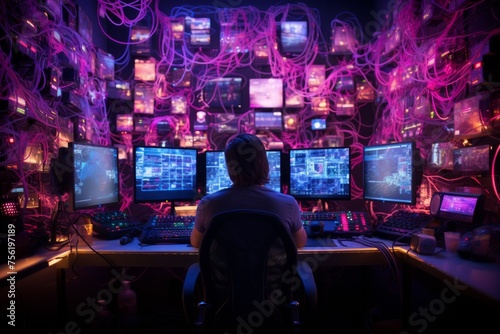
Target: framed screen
(199, 30)
(164, 174)
(223, 92)
(95, 177)
(464, 207)
(144, 99)
(145, 69)
(318, 124)
(179, 105)
(293, 98)
(268, 120)
(316, 76)
(119, 90)
(293, 36)
(320, 173)
(124, 123)
(266, 92)
(467, 119)
(472, 159)
(390, 172)
(177, 26)
(140, 42)
(217, 177)
(105, 65)
(180, 77)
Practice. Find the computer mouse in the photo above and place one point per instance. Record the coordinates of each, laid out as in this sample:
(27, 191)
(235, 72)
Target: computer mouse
(316, 228)
(126, 239)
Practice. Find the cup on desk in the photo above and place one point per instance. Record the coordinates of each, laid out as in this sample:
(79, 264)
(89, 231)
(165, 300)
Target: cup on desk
(451, 241)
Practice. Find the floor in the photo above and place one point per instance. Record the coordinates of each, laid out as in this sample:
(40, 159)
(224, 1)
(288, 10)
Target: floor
(342, 308)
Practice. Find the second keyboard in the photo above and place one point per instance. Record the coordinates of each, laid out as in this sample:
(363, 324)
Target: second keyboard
(164, 229)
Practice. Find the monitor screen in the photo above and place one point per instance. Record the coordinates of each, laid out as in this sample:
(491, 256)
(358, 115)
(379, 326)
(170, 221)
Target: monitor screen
(118, 89)
(124, 123)
(223, 92)
(316, 76)
(472, 159)
(105, 65)
(318, 124)
(95, 177)
(217, 177)
(390, 172)
(180, 77)
(266, 120)
(199, 30)
(140, 41)
(467, 119)
(164, 174)
(144, 99)
(320, 173)
(266, 92)
(179, 105)
(293, 36)
(145, 69)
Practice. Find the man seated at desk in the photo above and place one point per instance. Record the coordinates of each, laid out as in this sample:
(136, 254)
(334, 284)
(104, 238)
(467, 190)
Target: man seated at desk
(248, 168)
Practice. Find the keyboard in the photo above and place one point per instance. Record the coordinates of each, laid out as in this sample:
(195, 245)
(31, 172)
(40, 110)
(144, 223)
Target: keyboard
(164, 229)
(401, 223)
(337, 224)
(114, 224)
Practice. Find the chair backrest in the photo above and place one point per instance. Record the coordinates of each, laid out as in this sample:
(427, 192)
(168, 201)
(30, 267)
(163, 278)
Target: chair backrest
(247, 262)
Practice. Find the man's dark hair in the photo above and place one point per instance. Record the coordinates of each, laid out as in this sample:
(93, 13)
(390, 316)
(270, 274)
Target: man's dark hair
(246, 160)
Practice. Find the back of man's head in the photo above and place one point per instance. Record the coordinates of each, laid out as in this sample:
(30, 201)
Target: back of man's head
(246, 160)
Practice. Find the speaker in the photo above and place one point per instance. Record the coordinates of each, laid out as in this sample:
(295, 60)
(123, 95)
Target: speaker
(435, 203)
(423, 243)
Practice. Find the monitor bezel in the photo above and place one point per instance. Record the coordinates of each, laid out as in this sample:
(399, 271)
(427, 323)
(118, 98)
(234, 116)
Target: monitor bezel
(75, 205)
(319, 196)
(204, 167)
(416, 170)
(168, 196)
(213, 98)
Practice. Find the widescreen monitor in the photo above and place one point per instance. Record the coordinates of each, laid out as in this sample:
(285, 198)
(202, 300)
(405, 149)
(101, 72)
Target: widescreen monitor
(164, 174)
(391, 172)
(217, 177)
(95, 175)
(320, 173)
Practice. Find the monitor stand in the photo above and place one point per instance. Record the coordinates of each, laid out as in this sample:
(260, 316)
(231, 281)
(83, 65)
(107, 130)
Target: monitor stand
(172, 208)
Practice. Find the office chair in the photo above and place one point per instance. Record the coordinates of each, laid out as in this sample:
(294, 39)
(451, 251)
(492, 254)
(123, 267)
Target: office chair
(248, 278)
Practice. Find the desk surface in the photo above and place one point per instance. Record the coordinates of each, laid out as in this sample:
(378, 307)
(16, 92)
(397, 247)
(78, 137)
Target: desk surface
(481, 280)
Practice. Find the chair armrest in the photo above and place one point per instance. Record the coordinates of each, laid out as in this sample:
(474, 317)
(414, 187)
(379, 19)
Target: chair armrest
(310, 290)
(188, 293)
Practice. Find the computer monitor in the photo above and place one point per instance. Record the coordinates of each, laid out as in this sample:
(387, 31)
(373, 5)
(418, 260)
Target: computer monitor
(95, 175)
(320, 173)
(266, 92)
(164, 174)
(391, 172)
(293, 36)
(217, 177)
(223, 92)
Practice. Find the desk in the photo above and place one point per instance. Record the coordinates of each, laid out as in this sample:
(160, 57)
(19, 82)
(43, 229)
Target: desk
(27, 266)
(481, 279)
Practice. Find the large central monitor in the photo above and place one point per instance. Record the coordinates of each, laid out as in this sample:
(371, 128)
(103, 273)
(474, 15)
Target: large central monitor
(320, 173)
(217, 177)
(95, 176)
(164, 174)
(391, 172)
